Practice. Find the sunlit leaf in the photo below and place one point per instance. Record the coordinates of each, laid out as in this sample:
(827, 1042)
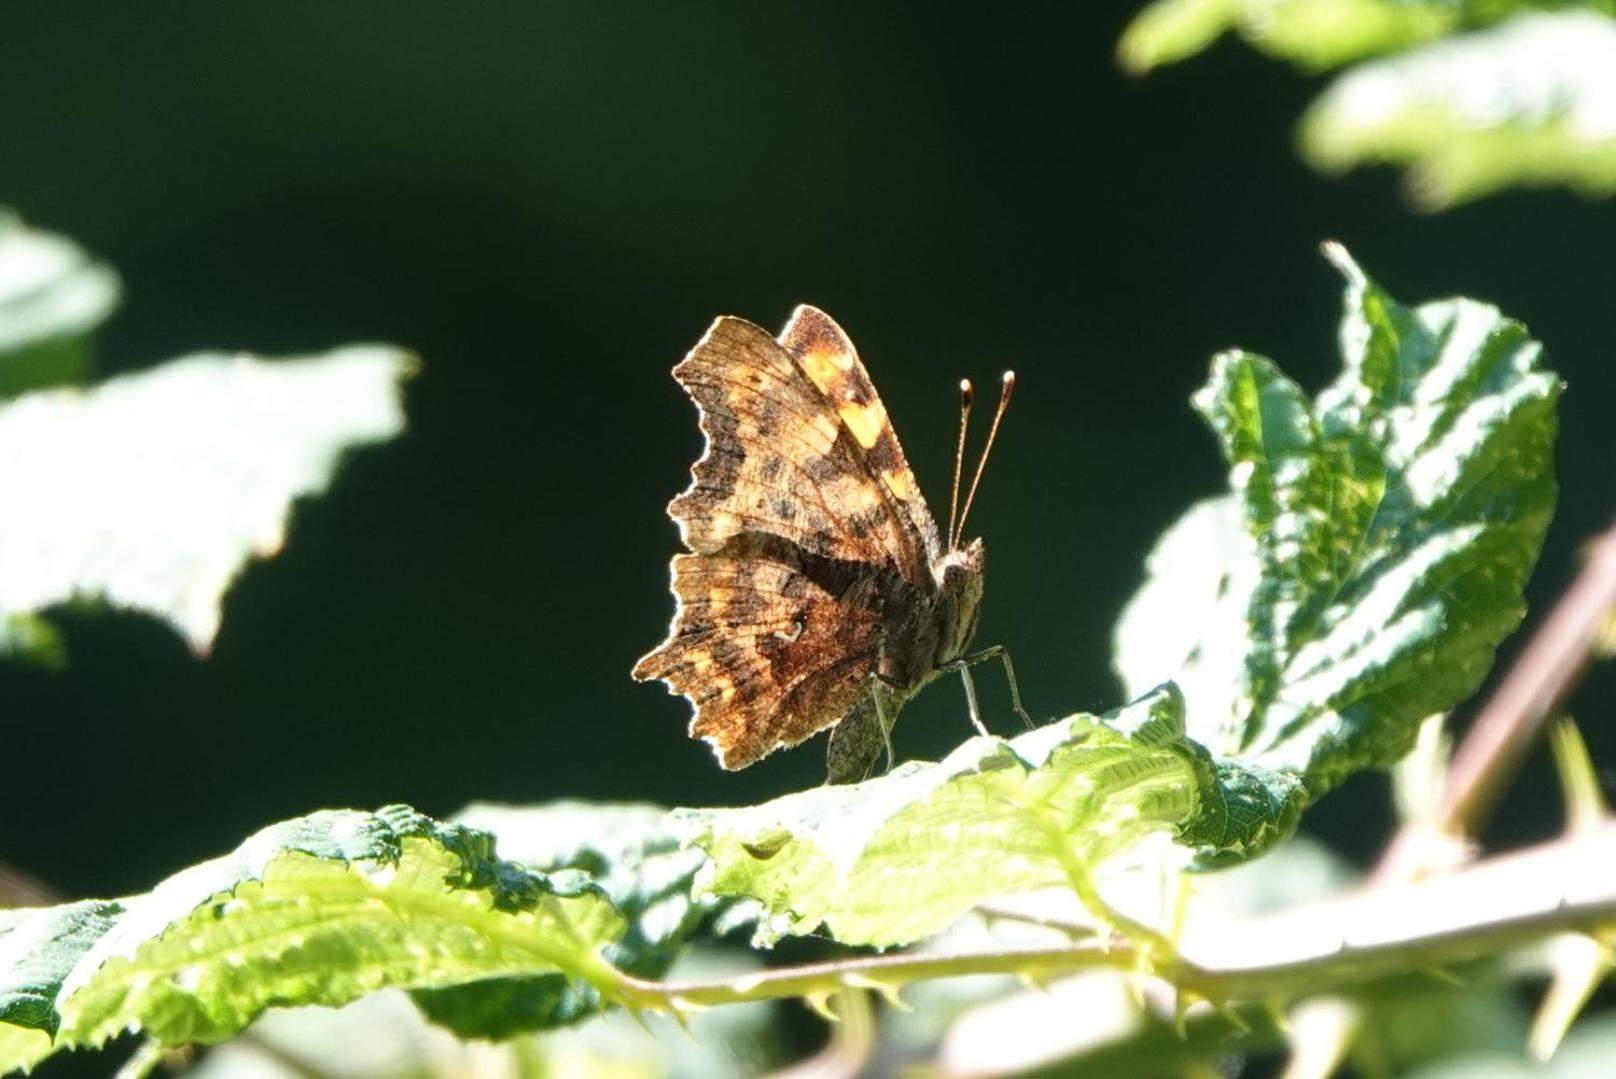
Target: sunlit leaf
(1389, 529)
(893, 859)
(633, 854)
(1532, 101)
(149, 491)
(38, 950)
(319, 910)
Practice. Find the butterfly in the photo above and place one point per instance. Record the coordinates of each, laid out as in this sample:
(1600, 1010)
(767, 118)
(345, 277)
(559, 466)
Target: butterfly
(816, 590)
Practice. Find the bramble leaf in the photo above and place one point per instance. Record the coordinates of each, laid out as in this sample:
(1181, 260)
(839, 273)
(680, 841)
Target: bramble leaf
(894, 859)
(633, 854)
(319, 910)
(1374, 549)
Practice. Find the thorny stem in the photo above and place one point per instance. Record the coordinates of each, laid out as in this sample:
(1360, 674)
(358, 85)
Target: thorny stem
(1070, 927)
(852, 1041)
(1525, 700)
(1427, 925)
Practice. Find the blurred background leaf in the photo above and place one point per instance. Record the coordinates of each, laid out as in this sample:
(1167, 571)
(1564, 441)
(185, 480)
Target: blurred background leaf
(1481, 94)
(1313, 34)
(52, 295)
(149, 491)
(1529, 102)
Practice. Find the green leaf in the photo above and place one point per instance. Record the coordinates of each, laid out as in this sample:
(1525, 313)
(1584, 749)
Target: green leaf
(1388, 530)
(630, 849)
(1168, 31)
(1528, 102)
(632, 853)
(149, 491)
(894, 859)
(52, 295)
(319, 910)
(1246, 811)
(38, 950)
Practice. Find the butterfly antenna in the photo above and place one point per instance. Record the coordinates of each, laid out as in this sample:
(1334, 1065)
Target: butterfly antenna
(1004, 403)
(959, 456)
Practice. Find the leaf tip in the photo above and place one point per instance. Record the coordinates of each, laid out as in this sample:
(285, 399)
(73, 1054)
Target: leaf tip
(1335, 252)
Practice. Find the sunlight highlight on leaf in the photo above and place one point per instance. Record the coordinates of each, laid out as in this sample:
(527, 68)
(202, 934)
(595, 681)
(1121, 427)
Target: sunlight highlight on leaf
(894, 859)
(632, 852)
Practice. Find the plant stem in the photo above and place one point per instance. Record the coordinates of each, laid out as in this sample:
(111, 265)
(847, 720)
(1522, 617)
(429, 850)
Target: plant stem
(1529, 696)
(1501, 903)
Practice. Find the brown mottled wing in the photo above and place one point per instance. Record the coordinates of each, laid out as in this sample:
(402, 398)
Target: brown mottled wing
(795, 536)
(826, 355)
(770, 643)
(781, 460)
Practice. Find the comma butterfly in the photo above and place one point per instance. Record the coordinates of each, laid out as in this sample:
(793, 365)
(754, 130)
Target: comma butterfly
(816, 591)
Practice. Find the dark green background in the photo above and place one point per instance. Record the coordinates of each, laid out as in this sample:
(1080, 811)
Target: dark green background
(550, 202)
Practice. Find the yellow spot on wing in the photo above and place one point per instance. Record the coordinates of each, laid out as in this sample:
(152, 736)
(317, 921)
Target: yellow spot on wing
(897, 483)
(826, 368)
(865, 421)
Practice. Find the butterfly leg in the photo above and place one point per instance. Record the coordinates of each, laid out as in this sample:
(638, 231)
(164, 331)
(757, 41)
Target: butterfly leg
(858, 741)
(970, 695)
(881, 720)
(1002, 654)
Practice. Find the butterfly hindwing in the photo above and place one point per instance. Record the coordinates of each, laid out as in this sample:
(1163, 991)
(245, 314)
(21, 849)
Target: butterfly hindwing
(769, 643)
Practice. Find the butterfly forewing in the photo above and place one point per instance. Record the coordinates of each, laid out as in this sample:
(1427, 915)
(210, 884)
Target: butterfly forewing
(777, 460)
(826, 355)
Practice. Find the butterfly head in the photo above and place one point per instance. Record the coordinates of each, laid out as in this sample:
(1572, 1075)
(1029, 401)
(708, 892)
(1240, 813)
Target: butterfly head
(959, 574)
(959, 586)
(960, 564)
